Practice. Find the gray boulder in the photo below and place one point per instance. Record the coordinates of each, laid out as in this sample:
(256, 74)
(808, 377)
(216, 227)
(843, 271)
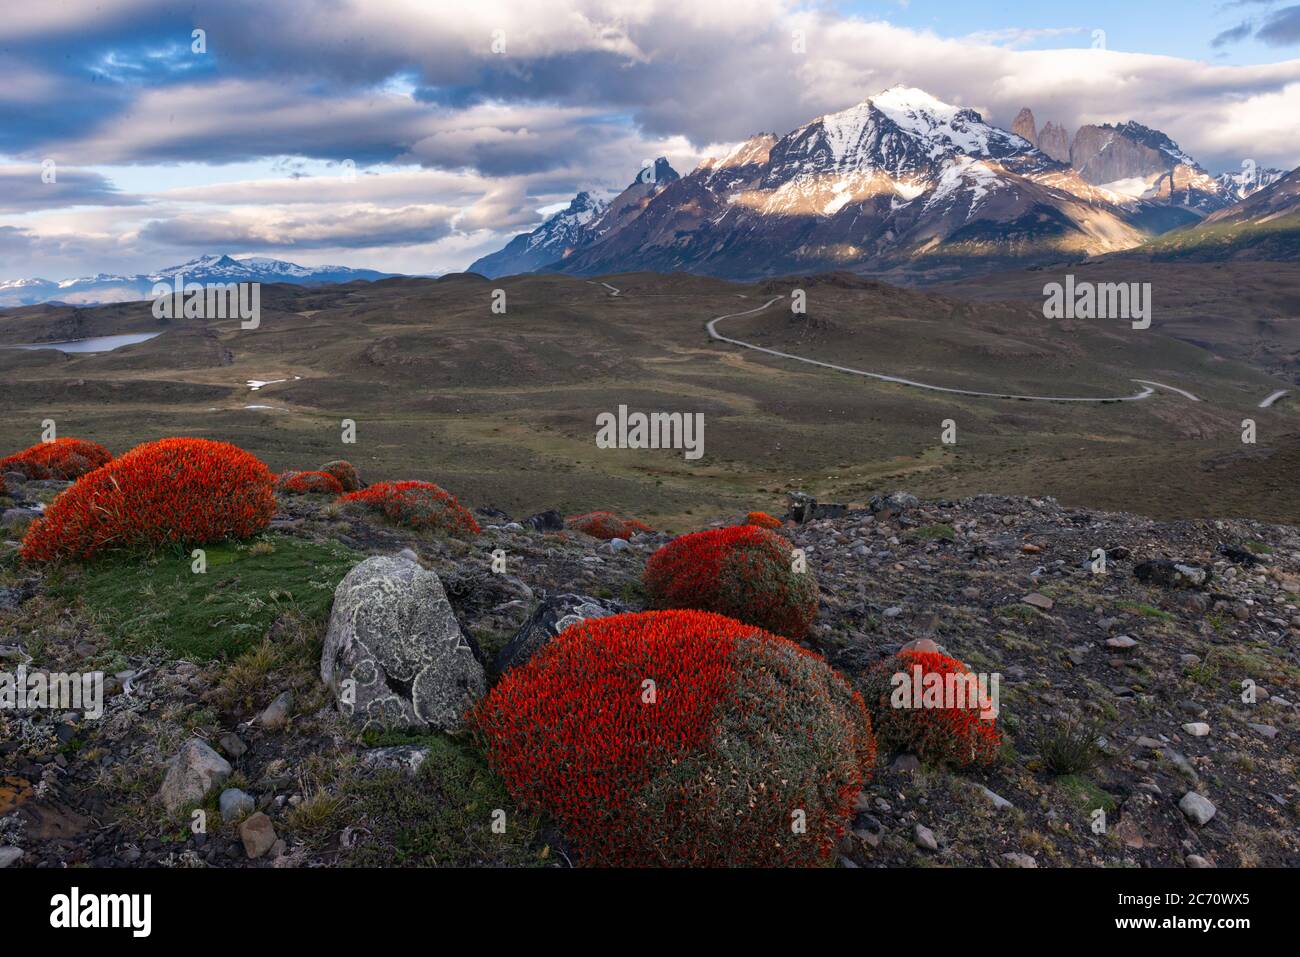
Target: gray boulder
(394, 655)
(552, 616)
(195, 771)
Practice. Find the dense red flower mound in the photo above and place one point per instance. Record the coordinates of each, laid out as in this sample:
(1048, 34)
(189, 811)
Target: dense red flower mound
(174, 491)
(304, 483)
(345, 472)
(763, 520)
(417, 505)
(744, 571)
(64, 459)
(746, 750)
(606, 525)
(946, 729)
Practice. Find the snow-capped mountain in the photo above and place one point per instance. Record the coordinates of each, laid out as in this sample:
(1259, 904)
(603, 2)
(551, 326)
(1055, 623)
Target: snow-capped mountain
(585, 221)
(1248, 181)
(103, 287)
(901, 183)
(900, 179)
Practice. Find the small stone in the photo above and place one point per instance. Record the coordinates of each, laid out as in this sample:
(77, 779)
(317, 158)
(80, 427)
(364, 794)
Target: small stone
(1039, 600)
(924, 838)
(192, 773)
(276, 715)
(1267, 730)
(257, 834)
(409, 554)
(1197, 808)
(906, 763)
(1030, 549)
(618, 544)
(1196, 862)
(893, 612)
(1121, 642)
(235, 804)
(10, 855)
(1197, 729)
(232, 745)
(1016, 859)
(923, 645)
(970, 594)
(999, 802)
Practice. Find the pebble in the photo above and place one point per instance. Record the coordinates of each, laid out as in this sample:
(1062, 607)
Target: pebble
(231, 744)
(276, 715)
(1039, 600)
(906, 763)
(999, 802)
(1267, 730)
(924, 838)
(10, 855)
(1196, 862)
(1197, 808)
(257, 834)
(1121, 642)
(234, 804)
(1197, 729)
(1016, 859)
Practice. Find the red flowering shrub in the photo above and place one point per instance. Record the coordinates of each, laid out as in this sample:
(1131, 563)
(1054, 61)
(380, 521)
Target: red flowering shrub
(744, 572)
(305, 483)
(175, 491)
(763, 520)
(681, 738)
(606, 525)
(417, 505)
(345, 472)
(64, 459)
(934, 712)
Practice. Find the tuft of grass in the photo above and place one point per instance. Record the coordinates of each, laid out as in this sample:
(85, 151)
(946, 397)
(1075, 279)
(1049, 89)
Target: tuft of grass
(441, 817)
(930, 533)
(1085, 793)
(216, 615)
(1146, 611)
(1067, 747)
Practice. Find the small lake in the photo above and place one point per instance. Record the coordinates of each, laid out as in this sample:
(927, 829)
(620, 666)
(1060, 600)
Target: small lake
(93, 344)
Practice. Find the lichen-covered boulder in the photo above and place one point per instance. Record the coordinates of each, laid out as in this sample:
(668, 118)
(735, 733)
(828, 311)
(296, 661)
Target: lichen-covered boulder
(394, 655)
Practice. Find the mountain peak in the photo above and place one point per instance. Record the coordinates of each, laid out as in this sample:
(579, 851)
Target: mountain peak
(660, 171)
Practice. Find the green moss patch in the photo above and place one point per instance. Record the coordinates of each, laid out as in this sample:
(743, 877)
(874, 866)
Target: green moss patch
(161, 602)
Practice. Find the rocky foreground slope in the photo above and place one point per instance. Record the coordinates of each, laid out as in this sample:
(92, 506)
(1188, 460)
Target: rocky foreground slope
(1121, 691)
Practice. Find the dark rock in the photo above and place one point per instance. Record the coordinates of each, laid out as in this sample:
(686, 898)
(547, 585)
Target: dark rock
(551, 617)
(1239, 555)
(1167, 574)
(548, 521)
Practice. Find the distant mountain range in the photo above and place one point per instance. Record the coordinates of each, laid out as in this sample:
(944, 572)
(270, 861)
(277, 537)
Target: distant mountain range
(104, 288)
(901, 184)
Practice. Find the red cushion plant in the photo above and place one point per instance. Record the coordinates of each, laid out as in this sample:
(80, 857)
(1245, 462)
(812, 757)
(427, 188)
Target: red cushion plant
(420, 505)
(65, 459)
(307, 483)
(345, 472)
(744, 571)
(606, 525)
(762, 520)
(681, 738)
(952, 733)
(174, 491)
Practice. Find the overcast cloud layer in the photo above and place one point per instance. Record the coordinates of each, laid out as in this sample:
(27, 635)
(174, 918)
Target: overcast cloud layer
(412, 135)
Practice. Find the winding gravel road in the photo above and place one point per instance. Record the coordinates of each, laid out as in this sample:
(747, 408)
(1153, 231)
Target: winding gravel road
(1149, 386)
(1146, 392)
